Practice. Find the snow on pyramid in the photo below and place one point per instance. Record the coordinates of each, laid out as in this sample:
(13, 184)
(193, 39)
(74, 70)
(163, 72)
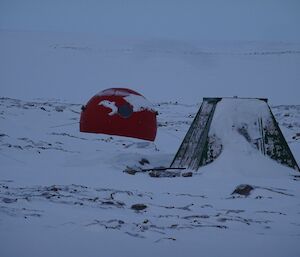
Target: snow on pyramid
(235, 124)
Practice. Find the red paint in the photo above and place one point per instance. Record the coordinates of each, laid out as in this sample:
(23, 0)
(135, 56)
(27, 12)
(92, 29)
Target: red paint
(95, 118)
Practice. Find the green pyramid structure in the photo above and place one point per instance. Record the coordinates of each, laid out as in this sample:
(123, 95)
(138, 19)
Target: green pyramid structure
(201, 147)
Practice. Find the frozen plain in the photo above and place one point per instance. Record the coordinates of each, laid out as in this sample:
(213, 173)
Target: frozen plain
(64, 193)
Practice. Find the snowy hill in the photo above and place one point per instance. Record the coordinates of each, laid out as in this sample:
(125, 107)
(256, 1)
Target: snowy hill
(64, 193)
(76, 66)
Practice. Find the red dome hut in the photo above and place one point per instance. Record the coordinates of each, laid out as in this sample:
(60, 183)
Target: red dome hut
(119, 111)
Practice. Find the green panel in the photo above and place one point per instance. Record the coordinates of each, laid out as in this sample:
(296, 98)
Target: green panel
(192, 148)
(276, 145)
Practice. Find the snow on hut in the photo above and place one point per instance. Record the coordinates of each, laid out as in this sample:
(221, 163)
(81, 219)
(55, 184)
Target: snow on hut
(119, 111)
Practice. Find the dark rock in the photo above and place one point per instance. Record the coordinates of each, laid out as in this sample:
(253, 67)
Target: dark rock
(53, 188)
(234, 211)
(204, 216)
(139, 207)
(296, 177)
(91, 199)
(59, 108)
(187, 174)
(243, 189)
(108, 202)
(144, 161)
(222, 219)
(18, 147)
(297, 136)
(165, 238)
(164, 173)
(9, 200)
(154, 174)
(130, 171)
(47, 195)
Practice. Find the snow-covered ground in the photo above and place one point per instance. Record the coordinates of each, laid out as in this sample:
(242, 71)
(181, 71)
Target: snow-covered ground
(65, 193)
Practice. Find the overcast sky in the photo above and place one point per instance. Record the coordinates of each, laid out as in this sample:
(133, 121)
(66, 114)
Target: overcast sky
(271, 20)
